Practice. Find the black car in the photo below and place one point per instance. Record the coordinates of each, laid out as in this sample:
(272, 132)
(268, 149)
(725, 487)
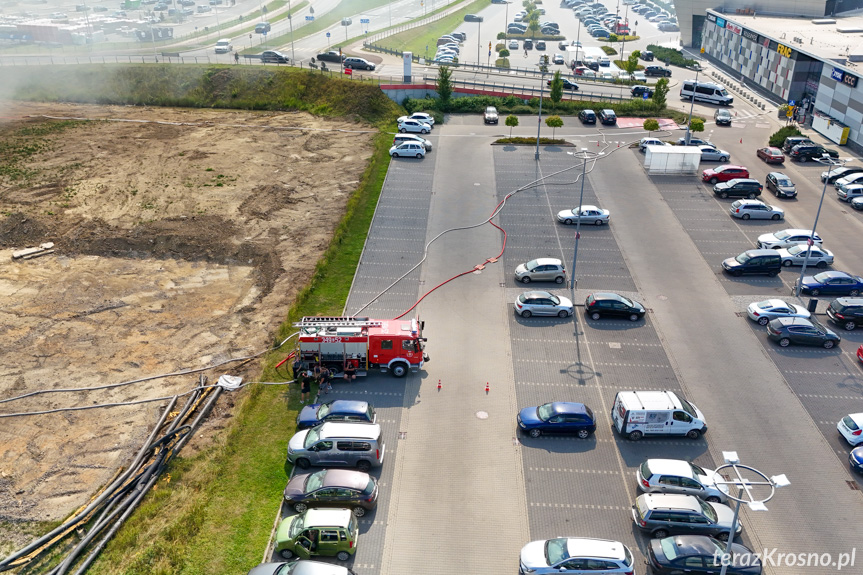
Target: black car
(472, 18)
(275, 57)
(722, 117)
(738, 188)
(331, 56)
(788, 330)
(781, 185)
(527, 44)
(657, 71)
(640, 91)
(567, 83)
(846, 312)
(699, 554)
(792, 141)
(608, 117)
(840, 172)
(647, 55)
(540, 44)
(609, 304)
(333, 488)
(804, 152)
(587, 117)
(754, 262)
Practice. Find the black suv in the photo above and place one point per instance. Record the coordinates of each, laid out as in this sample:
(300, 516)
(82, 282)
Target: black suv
(647, 55)
(607, 304)
(607, 116)
(528, 44)
(587, 117)
(738, 187)
(657, 71)
(640, 91)
(846, 312)
(792, 141)
(803, 152)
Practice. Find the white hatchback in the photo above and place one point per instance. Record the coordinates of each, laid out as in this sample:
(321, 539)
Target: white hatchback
(532, 303)
(414, 126)
(575, 555)
(408, 149)
(679, 476)
(851, 428)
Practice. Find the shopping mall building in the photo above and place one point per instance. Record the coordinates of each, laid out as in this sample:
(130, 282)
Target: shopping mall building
(791, 51)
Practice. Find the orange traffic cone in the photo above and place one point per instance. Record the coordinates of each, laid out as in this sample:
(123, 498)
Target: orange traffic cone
(438, 385)
(741, 140)
(486, 387)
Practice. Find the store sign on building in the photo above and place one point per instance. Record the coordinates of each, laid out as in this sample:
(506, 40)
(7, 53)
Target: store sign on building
(711, 18)
(720, 22)
(733, 27)
(844, 77)
(784, 50)
(750, 35)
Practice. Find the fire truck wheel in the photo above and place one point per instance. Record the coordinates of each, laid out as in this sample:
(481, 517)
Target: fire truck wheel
(399, 370)
(526, 313)
(303, 463)
(364, 465)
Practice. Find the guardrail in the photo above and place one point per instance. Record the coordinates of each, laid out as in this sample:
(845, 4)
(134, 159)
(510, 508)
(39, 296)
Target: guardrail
(525, 92)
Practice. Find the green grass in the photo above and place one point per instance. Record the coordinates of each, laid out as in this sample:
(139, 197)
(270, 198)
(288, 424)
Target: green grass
(416, 39)
(24, 144)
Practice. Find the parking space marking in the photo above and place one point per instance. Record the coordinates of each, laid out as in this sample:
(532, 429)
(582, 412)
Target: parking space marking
(567, 470)
(839, 373)
(818, 396)
(617, 364)
(580, 506)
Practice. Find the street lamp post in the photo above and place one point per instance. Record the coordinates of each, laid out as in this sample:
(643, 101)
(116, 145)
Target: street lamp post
(692, 105)
(478, 40)
(506, 22)
(578, 40)
(745, 494)
(825, 159)
(291, 23)
(573, 282)
(543, 68)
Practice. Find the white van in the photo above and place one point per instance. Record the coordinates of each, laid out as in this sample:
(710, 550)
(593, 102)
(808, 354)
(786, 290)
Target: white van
(604, 61)
(639, 413)
(705, 92)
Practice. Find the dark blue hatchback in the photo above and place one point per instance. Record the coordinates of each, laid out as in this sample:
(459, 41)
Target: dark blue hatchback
(855, 458)
(558, 417)
(338, 410)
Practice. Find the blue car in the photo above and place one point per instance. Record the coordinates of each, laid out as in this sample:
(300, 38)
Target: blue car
(338, 410)
(558, 417)
(856, 459)
(832, 283)
(600, 34)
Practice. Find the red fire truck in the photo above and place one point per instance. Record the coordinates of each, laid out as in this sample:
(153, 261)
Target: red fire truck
(363, 343)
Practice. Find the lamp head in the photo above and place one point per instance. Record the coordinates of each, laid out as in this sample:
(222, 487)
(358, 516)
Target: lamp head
(730, 457)
(780, 480)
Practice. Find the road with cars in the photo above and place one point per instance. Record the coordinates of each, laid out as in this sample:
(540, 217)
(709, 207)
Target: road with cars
(461, 489)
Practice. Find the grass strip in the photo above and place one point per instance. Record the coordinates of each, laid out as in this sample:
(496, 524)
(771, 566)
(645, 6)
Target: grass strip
(420, 40)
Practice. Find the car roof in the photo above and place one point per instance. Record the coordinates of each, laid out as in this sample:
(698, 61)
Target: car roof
(607, 295)
(687, 545)
(836, 274)
(585, 547)
(348, 405)
(778, 303)
(789, 321)
(327, 518)
(671, 500)
(548, 262)
(729, 166)
(346, 478)
(677, 467)
(585, 207)
(567, 407)
(608, 111)
(778, 175)
(352, 430)
(535, 294)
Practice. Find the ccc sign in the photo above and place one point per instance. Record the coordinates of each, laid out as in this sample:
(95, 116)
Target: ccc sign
(784, 50)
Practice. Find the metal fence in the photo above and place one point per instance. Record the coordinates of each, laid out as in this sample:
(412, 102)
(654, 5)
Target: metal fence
(416, 23)
(525, 92)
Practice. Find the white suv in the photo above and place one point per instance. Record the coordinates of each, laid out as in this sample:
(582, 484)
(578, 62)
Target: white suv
(224, 46)
(786, 239)
(575, 555)
(678, 476)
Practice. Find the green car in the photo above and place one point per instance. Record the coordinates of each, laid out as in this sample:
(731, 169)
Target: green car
(318, 532)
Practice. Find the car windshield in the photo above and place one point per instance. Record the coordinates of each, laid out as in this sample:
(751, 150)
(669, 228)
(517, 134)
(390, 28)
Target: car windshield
(743, 258)
(626, 302)
(296, 526)
(556, 550)
(669, 548)
(326, 408)
(314, 481)
(627, 556)
(794, 250)
(764, 304)
(708, 511)
(688, 408)
(370, 488)
(723, 92)
(286, 568)
(783, 235)
(531, 265)
(544, 412)
(849, 423)
(783, 182)
(313, 436)
(554, 299)
(822, 277)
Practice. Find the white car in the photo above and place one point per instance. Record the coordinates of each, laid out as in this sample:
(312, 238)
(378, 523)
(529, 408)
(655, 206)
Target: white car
(679, 476)
(420, 117)
(848, 192)
(589, 214)
(851, 428)
(853, 178)
(756, 209)
(401, 138)
(786, 239)
(513, 44)
(644, 142)
(765, 311)
(819, 257)
(572, 554)
(542, 303)
(414, 126)
(639, 76)
(709, 153)
(408, 149)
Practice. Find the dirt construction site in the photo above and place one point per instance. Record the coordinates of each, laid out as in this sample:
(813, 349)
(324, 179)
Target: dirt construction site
(181, 236)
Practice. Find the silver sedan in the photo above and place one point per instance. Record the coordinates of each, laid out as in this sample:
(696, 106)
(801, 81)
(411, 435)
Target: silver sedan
(711, 154)
(765, 311)
(756, 209)
(587, 214)
(796, 255)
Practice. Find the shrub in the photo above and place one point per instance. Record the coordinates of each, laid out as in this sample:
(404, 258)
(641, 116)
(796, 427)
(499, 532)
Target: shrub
(670, 55)
(608, 50)
(778, 138)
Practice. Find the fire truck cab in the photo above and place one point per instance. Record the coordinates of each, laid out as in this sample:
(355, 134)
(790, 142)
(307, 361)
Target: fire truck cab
(361, 343)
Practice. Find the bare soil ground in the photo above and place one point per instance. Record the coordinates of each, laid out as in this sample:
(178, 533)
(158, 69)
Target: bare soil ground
(182, 236)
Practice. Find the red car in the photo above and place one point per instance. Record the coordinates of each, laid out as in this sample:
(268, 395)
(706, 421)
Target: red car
(724, 173)
(860, 353)
(771, 155)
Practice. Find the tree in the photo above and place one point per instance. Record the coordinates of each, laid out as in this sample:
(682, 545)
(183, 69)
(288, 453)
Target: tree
(533, 23)
(553, 122)
(696, 125)
(501, 35)
(512, 122)
(503, 53)
(660, 91)
(444, 84)
(631, 63)
(651, 125)
(555, 93)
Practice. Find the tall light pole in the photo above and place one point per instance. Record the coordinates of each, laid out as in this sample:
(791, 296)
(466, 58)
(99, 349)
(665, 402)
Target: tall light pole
(291, 24)
(578, 40)
(543, 68)
(478, 40)
(745, 494)
(825, 159)
(692, 105)
(506, 21)
(572, 281)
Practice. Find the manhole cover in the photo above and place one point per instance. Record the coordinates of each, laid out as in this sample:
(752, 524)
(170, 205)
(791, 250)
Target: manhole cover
(482, 415)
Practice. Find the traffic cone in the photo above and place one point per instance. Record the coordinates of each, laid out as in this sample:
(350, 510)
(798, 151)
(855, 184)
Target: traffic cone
(741, 140)
(618, 144)
(486, 387)
(438, 385)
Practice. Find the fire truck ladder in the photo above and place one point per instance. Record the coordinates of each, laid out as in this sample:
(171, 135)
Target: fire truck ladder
(309, 321)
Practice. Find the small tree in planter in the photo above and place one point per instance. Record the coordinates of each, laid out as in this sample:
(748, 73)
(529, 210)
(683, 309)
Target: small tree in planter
(512, 122)
(554, 122)
(651, 125)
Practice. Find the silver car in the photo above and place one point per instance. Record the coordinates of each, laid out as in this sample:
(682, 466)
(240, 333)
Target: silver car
(575, 555)
(587, 214)
(711, 154)
(765, 311)
(756, 209)
(664, 514)
(304, 567)
(682, 477)
(542, 303)
(795, 256)
(541, 269)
